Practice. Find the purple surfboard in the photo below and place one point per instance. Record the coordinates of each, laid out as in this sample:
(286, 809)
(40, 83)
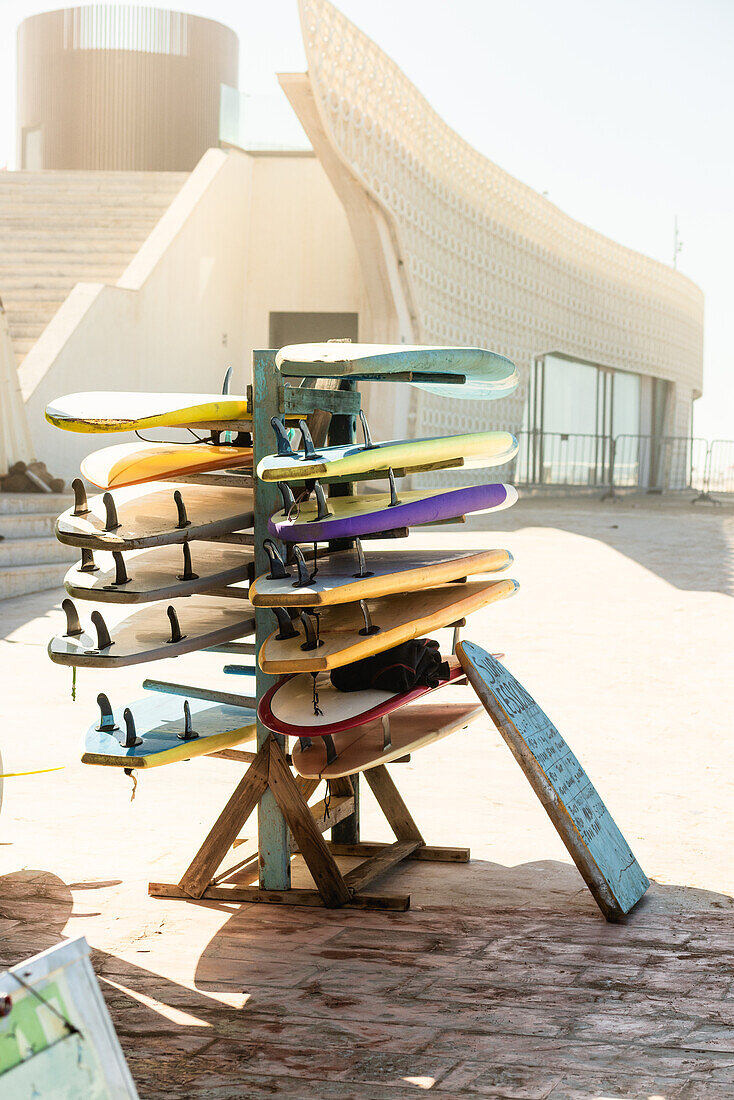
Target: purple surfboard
(372, 513)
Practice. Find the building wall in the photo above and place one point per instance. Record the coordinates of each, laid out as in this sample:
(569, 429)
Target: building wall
(483, 259)
(246, 236)
(120, 88)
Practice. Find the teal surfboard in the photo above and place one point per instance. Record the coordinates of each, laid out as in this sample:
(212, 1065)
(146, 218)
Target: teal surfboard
(159, 724)
(471, 374)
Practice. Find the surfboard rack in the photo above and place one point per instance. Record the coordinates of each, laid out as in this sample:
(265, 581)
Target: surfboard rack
(287, 824)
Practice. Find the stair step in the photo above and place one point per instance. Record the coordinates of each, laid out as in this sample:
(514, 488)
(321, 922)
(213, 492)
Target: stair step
(27, 526)
(19, 580)
(41, 551)
(13, 504)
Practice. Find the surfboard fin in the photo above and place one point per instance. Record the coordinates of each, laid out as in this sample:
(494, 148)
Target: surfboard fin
(312, 637)
(282, 441)
(131, 737)
(176, 635)
(227, 380)
(331, 753)
(386, 735)
(183, 519)
(285, 624)
(73, 626)
(308, 444)
(394, 498)
(304, 575)
(322, 512)
(188, 573)
(188, 733)
(368, 444)
(369, 627)
(87, 564)
(103, 635)
(81, 506)
(107, 720)
(121, 573)
(111, 520)
(289, 501)
(278, 570)
(363, 571)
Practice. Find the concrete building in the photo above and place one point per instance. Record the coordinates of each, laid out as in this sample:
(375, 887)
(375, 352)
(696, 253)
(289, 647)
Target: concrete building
(390, 228)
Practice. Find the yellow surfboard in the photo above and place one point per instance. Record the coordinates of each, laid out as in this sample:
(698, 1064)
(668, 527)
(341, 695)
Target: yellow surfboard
(403, 456)
(138, 463)
(126, 412)
(343, 634)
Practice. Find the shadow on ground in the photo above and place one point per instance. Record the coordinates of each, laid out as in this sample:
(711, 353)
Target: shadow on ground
(689, 546)
(538, 1001)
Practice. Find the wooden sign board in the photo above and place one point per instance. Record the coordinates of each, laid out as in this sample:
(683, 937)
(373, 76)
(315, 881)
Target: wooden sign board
(573, 804)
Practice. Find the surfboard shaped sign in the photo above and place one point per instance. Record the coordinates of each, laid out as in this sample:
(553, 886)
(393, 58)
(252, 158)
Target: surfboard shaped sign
(471, 374)
(570, 799)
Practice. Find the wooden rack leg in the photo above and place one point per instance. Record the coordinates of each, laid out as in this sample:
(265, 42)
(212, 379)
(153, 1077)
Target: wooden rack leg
(347, 831)
(315, 851)
(392, 805)
(248, 793)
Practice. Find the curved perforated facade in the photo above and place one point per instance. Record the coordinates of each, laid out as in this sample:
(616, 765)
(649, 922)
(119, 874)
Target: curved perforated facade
(482, 258)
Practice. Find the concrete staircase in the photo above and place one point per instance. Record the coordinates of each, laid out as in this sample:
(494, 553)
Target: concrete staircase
(31, 557)
(59, 228)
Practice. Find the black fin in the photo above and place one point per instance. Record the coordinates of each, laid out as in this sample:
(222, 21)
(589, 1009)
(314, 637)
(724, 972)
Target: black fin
(281, 438)
(308, 444)
(285, 624)
(111, 520)
(322, 512)
(81, 507)
(183, 519)
(107, 720)
(369, 628)
(394, 499)
(87, 564)
(368, 444)
(278, 571)
(103, 635)
(131, 737)
(304, 575)
(227, 378)
(189, 733)
(312, 639)
(73, 626)
(176, 635)
(286, 493)
(188, 573)
(121, 574)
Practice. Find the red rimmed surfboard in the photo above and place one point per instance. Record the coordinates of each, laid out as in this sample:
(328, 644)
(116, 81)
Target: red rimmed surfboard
(287, 708)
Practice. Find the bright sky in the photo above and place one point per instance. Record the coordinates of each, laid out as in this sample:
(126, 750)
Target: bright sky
(622, 112)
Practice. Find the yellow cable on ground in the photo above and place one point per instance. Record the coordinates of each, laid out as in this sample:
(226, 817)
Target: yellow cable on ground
(38, 771)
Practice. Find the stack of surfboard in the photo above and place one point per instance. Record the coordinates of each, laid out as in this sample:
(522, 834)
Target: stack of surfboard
(171, 533)
(337, 607)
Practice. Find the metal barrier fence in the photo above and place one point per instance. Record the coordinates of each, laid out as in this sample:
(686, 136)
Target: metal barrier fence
(653, 463)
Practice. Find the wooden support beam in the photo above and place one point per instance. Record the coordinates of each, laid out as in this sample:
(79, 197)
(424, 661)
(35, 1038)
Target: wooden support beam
(299, 401)
(395, 902)
(314, 849)
(340, 808)
(234, 754)
(246, 796)
(392, 805)
(384, 861)
(427, 852)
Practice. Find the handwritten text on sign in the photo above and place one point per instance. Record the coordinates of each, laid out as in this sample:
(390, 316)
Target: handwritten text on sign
(573, 803)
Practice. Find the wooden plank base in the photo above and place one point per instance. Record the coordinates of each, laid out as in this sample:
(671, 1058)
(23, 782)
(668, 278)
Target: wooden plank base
(428, 853)
(250, 894)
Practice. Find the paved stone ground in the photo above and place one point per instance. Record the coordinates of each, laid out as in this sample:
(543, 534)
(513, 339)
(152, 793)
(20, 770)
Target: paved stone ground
(503, 980)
